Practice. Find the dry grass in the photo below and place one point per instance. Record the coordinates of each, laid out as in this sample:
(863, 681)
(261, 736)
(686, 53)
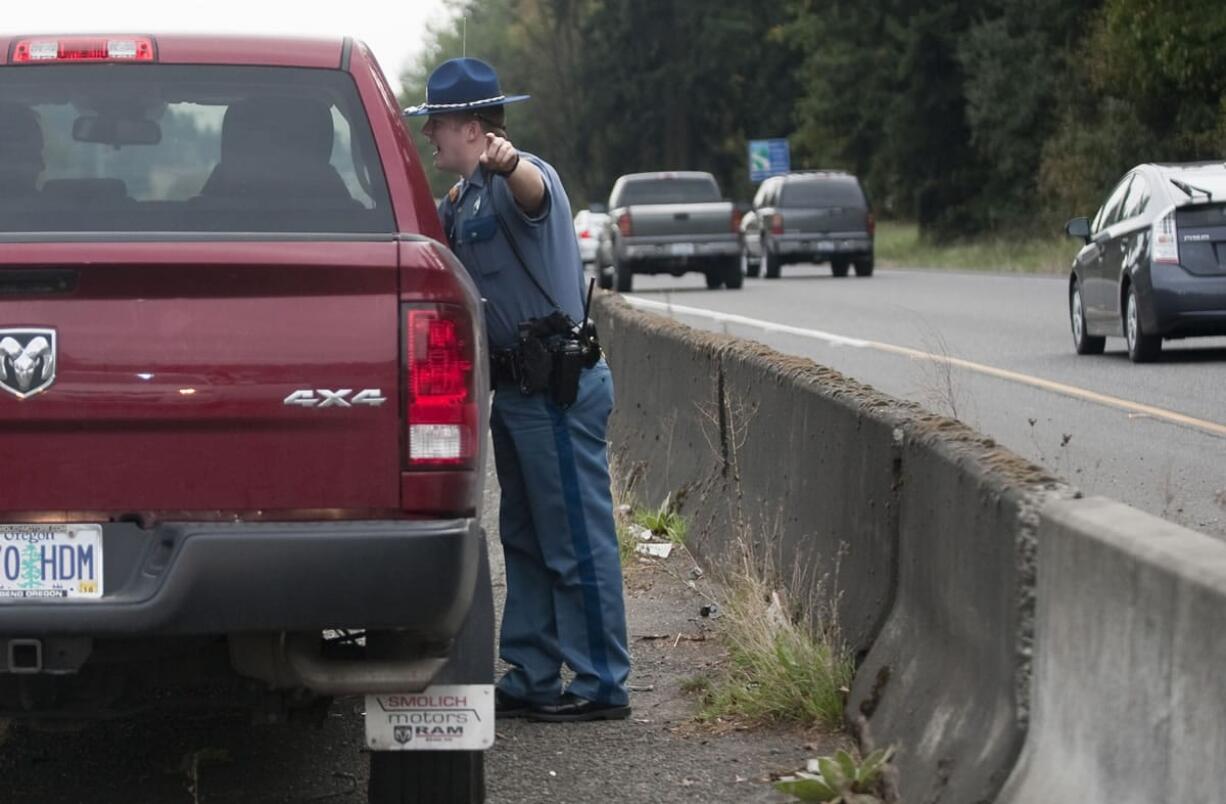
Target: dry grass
(626, 541)
(786, 663)
(900, 245)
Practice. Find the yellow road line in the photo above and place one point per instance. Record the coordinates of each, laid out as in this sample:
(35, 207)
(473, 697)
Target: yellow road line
(1161, 414)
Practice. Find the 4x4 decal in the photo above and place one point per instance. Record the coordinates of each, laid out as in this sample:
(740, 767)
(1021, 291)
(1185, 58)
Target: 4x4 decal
(324, 398)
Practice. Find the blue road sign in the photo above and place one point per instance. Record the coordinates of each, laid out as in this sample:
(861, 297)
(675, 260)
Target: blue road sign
(768, 158)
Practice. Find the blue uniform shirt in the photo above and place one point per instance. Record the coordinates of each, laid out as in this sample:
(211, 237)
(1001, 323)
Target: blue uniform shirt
(546, 241)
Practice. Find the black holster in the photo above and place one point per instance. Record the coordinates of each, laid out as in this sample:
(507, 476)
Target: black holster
(550, 357)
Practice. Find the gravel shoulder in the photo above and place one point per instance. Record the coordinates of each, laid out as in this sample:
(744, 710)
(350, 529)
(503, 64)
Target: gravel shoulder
(661, 754)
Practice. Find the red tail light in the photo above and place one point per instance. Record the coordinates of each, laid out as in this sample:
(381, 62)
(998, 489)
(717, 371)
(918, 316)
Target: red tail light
(625, 225)
(737, 215)
(442, 413)
(871, 223)
(586, 234)
(81, 48)
(777, 223)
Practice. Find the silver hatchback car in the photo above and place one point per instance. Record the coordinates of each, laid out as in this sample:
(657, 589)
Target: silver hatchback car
(1153, 263)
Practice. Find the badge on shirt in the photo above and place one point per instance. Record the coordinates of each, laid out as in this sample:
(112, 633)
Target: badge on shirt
(477, 205)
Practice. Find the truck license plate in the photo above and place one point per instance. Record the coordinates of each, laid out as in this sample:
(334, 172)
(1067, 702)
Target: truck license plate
(682, 249)
(825, 245)
(50, 561)
(457, 717)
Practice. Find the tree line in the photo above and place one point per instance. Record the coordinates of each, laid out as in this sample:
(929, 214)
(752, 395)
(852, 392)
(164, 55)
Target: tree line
(968, 116)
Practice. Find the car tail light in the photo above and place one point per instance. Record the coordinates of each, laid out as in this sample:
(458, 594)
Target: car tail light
(871, 224)
(777, 223)
(84, 49)
(586, 234)
(1165, 243)
(625, 225)
(442, 409)
(737, 216)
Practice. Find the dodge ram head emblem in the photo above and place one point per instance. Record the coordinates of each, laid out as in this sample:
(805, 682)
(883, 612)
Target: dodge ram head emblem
(27, 361)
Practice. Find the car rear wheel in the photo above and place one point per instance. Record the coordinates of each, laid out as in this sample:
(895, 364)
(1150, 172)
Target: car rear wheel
(624, 275)
(1083, 341)
(715, 278)
(864, 267)
(749, 267)
(772, 264)
(839, 266)
(1142, 348)
(427, 777)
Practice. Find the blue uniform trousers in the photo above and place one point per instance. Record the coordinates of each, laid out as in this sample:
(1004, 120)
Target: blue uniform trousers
(564, 582)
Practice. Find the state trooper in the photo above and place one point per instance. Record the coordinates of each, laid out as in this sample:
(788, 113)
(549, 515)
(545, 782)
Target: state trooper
(509, 221)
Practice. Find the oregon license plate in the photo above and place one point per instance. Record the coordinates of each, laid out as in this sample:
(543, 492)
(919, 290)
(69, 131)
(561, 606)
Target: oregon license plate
(51, 561)
(458, 717)
(682, 249)
(825, 245)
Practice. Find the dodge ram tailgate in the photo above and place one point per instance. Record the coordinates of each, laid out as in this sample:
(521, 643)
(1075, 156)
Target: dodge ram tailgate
(233, 375)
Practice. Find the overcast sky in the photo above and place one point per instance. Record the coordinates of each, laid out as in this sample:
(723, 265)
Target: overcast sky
(392, 29)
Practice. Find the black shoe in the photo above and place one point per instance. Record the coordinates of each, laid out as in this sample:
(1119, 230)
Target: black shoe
(570, 708)
(508, 706)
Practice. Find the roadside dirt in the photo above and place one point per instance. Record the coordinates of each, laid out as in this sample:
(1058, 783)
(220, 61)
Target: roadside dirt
(661, 754)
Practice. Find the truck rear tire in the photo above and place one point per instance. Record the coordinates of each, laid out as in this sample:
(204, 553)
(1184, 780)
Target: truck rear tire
(427, 777)
(623, 273)
(715, 278)
(734, 276)
(864, 267)
(839, 266)
(447, 777)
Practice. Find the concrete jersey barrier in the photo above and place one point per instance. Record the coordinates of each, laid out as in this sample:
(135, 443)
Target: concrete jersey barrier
(934, 536)
(1130, 662)
(762, 453)
(947, 679)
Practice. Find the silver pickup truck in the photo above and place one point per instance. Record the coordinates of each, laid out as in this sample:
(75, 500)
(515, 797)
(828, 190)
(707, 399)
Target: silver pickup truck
(669, 223)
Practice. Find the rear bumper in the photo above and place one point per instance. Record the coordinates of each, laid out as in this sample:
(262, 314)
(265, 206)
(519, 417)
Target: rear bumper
(663, 249)
(210, 578)
(821, 246)
(1183, 304)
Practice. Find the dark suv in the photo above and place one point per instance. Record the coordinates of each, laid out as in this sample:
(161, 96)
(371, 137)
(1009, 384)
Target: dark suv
(1154, 261)
(815, 216)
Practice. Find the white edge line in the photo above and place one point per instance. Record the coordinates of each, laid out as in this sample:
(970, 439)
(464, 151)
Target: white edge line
(730, 318)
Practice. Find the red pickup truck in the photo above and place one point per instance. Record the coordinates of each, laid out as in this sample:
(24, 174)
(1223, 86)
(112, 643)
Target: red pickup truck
(243, 398)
